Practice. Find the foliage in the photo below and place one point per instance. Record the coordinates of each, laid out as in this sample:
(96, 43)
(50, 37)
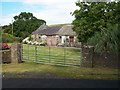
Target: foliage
(94, 17)
(30, 38)
(8, 38)
(107, 40)
(24, 25)
(4, 46)
(98, 24)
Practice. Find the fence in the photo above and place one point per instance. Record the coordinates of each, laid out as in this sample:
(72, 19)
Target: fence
(63, 56)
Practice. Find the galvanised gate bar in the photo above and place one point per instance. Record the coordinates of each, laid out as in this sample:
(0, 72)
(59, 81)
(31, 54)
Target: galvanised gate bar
(63, 56)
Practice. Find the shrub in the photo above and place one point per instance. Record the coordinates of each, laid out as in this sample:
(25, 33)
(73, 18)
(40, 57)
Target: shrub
(30, 38)
(8, 38)
(4, 46)
(107, 40)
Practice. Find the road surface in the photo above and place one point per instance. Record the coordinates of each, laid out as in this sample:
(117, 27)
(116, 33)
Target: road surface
(57, 83)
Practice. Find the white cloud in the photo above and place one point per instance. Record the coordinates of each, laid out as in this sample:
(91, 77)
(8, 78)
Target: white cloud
(55, 14)
(7, 19)
(47, 2)
(53, 11)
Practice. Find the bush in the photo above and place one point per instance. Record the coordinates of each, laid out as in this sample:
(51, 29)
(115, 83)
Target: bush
(4, 46)
(30, 38)
(107, 40)
(8, 38)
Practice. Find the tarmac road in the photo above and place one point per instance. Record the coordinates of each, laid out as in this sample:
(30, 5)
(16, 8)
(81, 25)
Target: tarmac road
(57, 83)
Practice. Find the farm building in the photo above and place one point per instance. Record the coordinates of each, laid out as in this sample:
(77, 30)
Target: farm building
(55, 35)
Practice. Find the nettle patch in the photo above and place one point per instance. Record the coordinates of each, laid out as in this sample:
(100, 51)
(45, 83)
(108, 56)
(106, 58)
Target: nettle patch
(4, 46)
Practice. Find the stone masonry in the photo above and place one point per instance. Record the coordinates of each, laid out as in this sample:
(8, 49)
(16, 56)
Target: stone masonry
(16, 53)
(87, 56)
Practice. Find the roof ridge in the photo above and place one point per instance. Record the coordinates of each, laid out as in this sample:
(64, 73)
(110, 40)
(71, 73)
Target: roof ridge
(60, 24)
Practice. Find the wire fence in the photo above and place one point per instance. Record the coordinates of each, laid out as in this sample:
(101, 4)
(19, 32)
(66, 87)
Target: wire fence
(63, 56)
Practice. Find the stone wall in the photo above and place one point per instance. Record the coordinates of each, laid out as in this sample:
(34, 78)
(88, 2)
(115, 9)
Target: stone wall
(6, 56)
(92, 59)
(12, 55)
(16, 53)
(87, 56)
(105, 60)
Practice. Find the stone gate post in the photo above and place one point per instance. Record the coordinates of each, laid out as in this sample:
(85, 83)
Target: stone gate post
(16, 51)
(87, 56)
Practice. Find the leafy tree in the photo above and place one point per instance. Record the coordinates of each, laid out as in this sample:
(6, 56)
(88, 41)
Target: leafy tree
(97, 23)
(24, 24)
(94, 17)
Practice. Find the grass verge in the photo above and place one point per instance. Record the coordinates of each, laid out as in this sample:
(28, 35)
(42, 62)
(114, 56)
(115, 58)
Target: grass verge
(67, 72)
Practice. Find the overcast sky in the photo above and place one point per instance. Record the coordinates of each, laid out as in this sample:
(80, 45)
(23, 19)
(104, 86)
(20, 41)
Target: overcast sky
(52, 11)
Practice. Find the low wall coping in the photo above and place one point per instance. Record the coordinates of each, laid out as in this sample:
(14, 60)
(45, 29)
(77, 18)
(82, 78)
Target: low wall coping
(4, 50)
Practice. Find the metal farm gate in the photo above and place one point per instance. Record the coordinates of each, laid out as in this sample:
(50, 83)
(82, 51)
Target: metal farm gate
(63, 56)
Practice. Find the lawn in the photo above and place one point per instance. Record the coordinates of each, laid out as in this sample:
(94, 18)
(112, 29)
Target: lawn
(52, 55)
(18, 70)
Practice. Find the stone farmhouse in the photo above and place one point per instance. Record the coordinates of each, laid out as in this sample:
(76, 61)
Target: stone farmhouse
(56, 35)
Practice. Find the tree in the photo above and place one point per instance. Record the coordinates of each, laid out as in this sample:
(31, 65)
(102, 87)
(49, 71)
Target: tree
(107, 41)
(24, 24)
(97, 23)
(94, 17)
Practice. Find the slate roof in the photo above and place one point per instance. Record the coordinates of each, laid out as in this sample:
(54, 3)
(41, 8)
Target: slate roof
(66, 30)
(42, 27)
(53, 30)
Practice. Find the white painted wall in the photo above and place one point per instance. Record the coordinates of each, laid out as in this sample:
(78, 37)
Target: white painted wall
(63, 38)
(44, 37)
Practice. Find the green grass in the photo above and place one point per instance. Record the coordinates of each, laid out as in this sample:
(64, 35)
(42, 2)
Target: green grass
(57, 55)
(69, 72)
